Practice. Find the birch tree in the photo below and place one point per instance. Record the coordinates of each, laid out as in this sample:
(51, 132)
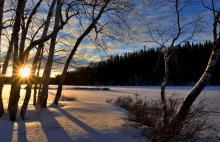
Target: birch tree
(176, 123)
(169, 37)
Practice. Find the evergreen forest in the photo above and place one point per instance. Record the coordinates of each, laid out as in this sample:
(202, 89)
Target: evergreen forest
(146, 67)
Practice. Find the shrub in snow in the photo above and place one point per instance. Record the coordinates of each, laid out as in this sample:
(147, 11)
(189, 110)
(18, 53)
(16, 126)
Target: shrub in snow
(124, 102)
(109, 100)
(146, 115)
(72, 98)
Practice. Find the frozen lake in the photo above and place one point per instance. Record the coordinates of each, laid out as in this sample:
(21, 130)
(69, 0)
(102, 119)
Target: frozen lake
(90, 118)
(211, 93)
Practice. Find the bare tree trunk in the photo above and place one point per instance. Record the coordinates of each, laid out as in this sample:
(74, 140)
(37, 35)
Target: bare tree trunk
(39, 89)
(26, 100)
(15, 86)
(35, 94)
(29, 85)
(35, 62)
(176, 123)
(48, 66)
(60, 86)
(47, 72)
(5, 67)
(79, 40)
(31, 77)
(163, 89)
(1, 16)
(2, 77)
(37, 81)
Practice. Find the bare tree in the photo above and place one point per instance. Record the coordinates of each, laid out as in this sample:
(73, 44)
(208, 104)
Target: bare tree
(37, 78)
(48, 66)
(98, 9)
(23, 23)
(1, 80)
(176, 123)
(19, 60)
(168, 38)
(36, 60)
(15, 86)
(78, 41)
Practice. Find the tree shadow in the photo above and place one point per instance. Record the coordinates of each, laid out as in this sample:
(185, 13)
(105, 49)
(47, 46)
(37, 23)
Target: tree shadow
(54, 132)
(96, 136)
(6, 128)
(22, 135)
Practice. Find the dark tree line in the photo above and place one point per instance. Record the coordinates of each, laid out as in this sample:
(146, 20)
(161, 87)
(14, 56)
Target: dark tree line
(146, 67)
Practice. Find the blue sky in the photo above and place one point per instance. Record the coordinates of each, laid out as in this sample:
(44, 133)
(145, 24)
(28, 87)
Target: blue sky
(161, 17)
(143, 19)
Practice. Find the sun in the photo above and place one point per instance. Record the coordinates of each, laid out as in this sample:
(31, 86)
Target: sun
(25, 72)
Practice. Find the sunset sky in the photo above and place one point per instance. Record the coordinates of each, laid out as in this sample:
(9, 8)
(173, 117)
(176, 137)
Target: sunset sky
(139, 18)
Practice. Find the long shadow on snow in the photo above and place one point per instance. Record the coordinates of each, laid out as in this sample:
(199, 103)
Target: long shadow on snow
(52, 129)
(6, 128)
(22, 135)
(95, 134)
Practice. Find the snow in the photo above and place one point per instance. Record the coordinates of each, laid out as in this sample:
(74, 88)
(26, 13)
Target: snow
(90, 118)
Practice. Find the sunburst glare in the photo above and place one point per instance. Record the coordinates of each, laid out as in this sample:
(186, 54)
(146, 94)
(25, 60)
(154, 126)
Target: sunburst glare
(25, 72)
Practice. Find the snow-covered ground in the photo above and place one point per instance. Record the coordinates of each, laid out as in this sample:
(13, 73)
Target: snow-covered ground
(89, 118)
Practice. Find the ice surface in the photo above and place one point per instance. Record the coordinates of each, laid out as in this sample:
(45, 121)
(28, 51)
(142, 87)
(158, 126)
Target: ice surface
(89, 118)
